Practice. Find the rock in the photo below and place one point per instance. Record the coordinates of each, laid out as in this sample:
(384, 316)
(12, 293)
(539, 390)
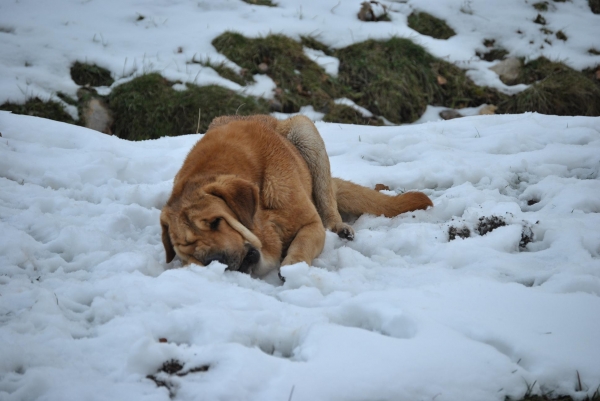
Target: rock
(275, 105)
(372, 11)
(488, 109)
(508, 70)
(263, 68)
(450, 114)
(97, 116)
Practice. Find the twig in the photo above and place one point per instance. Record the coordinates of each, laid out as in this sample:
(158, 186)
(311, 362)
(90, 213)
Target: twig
(238, 109)
(199, 115)
(291, 393)
(336, 6)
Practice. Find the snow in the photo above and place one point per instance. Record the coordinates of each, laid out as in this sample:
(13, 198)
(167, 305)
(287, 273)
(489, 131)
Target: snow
(400, 313)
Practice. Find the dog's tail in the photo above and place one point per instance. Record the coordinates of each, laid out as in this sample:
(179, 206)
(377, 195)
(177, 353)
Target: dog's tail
(356, 200)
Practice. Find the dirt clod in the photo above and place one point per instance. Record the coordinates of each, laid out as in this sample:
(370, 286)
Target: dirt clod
(489, 224)
(454, 232)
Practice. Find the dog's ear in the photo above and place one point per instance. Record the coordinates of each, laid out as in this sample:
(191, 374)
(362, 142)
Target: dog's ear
(240, 195)
(166, 239)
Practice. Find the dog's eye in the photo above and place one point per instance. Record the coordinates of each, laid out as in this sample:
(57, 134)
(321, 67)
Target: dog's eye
(214, 225)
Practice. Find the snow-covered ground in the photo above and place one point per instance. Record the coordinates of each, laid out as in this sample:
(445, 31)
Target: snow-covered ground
(89, 309)
(41, 39)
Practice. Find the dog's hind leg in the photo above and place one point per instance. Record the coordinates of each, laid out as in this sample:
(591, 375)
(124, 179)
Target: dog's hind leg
(303, 134)
(355, 199)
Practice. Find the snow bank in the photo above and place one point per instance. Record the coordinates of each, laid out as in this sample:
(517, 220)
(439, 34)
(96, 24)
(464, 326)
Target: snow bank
(401, 313)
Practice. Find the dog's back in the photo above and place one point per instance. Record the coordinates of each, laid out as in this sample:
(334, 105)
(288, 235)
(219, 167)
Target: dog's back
(252, 150)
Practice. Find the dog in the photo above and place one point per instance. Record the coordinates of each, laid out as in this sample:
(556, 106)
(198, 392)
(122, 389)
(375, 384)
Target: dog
(256, 193)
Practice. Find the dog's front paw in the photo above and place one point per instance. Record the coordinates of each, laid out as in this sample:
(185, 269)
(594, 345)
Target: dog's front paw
(344, 231)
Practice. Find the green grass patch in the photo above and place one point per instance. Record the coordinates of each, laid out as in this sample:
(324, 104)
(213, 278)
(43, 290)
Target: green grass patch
(314, 43)
(555, 89)
(90, 75)
(148, 107)
(397, 79)
(223, 70)
(539, 69)
(541, 6)
(340, 113)
(299, 80)
(39, 108)
(67, 99)
(427, 24)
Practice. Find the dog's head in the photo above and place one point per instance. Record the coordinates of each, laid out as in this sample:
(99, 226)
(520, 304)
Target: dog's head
(208, 222)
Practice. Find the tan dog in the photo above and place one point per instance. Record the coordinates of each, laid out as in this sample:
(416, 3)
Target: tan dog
(256, 193)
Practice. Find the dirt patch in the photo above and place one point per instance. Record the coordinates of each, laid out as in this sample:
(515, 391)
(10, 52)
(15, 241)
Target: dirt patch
(526, 237)
(173, 367)
(489, 224)
(462, 232)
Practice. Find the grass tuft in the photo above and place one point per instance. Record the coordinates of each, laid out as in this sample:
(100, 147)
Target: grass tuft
(300, 81)
(340, 113)
(90, 75)
(561, 35)
(397, 79)
(223, 70)
(427, 24)
(39, 108)
(556, 89)
(541, 6)
(594, 6)
(148, 107)
(314, 43)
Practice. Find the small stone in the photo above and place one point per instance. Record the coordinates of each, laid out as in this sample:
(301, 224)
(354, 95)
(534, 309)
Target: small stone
(450, 114)
(97, 116)
(441, 80)
(263, 67)
(372, 11)
(508, 70)
(275, 105)
(488, 109)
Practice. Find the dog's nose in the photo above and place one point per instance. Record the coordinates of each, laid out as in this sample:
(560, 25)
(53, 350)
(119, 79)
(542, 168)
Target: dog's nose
(252, 258)
(219, 257)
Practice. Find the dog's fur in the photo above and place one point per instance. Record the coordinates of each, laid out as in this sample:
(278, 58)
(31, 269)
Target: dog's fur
(256, 193)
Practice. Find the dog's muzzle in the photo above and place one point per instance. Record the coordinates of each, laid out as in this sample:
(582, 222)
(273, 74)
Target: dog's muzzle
(252, 258)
